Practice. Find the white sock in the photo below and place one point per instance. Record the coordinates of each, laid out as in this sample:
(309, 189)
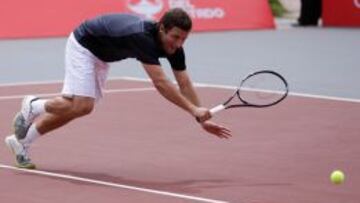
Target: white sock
(31, 135)
(38, 107)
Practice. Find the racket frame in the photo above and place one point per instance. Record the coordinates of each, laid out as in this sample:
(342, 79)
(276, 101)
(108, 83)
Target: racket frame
(247, 104)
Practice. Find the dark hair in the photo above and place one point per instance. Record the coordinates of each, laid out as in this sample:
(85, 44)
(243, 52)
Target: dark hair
(176, 17)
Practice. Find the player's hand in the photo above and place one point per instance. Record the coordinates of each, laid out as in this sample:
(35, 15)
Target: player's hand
(202, 114)
(217, 130)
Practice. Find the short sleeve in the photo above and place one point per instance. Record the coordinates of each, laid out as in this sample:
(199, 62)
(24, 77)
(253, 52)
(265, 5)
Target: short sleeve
(177, 60)
(147, 59)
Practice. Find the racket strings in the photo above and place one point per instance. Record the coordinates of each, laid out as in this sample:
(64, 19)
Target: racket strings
(262, 89)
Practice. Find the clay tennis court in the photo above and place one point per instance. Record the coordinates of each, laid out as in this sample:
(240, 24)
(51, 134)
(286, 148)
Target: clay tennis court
(137, 147)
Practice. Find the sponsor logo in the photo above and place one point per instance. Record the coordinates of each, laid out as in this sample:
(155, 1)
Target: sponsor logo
(199, 13)
(148, 8)
(357, 3)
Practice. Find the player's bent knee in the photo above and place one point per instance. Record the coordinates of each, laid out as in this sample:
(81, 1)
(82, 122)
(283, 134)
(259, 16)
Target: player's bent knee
(85, 110)
(82, 109)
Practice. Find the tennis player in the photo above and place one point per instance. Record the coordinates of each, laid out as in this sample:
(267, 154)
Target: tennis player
(109, 38)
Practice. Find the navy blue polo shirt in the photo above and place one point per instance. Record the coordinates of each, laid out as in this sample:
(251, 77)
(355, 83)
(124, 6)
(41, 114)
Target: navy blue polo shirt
(115, 37)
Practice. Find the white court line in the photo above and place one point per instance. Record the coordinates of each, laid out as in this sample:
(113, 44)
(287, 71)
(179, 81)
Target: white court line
(297, 94)
(313, 96)
(47, 82)
(58, 94)
(109, 184)
(53, 82)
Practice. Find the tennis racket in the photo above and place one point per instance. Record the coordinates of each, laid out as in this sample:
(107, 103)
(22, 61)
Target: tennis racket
(260, 89)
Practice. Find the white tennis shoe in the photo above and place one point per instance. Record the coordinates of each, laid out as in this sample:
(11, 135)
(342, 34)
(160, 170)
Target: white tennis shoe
(20, 152)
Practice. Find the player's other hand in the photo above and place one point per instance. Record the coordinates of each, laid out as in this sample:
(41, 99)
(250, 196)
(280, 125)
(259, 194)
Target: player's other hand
(217, 130)
(202, 114)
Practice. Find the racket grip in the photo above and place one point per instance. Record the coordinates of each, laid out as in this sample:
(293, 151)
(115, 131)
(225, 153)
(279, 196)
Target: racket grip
(217, 109)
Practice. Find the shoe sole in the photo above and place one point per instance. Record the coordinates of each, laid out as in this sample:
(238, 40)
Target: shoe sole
(10, 147)
(8, 144)
(19, 127)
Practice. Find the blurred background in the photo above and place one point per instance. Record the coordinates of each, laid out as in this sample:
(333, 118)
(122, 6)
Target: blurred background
(313, 43)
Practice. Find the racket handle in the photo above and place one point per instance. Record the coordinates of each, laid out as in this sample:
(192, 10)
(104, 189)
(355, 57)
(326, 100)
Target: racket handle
(217, 109)
(213, 111)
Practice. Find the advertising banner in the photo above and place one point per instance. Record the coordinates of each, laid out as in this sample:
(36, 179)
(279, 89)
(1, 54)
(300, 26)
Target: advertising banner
(341, 13)
(43, 18)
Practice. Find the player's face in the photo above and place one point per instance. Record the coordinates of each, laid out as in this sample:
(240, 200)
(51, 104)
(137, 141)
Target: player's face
(172, 39)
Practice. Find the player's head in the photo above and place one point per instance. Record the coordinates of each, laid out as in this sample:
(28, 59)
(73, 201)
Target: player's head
(174, 27)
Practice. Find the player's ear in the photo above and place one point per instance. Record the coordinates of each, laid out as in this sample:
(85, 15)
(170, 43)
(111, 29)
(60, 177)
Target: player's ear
(161, 28)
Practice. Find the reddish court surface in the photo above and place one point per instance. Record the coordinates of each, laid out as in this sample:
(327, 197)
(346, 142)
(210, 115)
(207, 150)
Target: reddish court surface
(282, 154)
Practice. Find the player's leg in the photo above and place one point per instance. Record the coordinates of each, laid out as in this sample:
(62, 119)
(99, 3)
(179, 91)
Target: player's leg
(59, 111)
(62, 110)
(84, 78)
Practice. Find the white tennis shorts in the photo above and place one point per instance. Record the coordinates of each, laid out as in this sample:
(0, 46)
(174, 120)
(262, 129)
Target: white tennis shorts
(85, 74)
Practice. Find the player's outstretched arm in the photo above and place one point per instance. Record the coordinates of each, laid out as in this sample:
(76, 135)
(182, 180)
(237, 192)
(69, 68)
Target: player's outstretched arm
(186, 86)
(167, 89)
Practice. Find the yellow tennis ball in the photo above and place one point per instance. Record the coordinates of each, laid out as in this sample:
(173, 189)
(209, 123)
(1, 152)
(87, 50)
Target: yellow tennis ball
(337, 177)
